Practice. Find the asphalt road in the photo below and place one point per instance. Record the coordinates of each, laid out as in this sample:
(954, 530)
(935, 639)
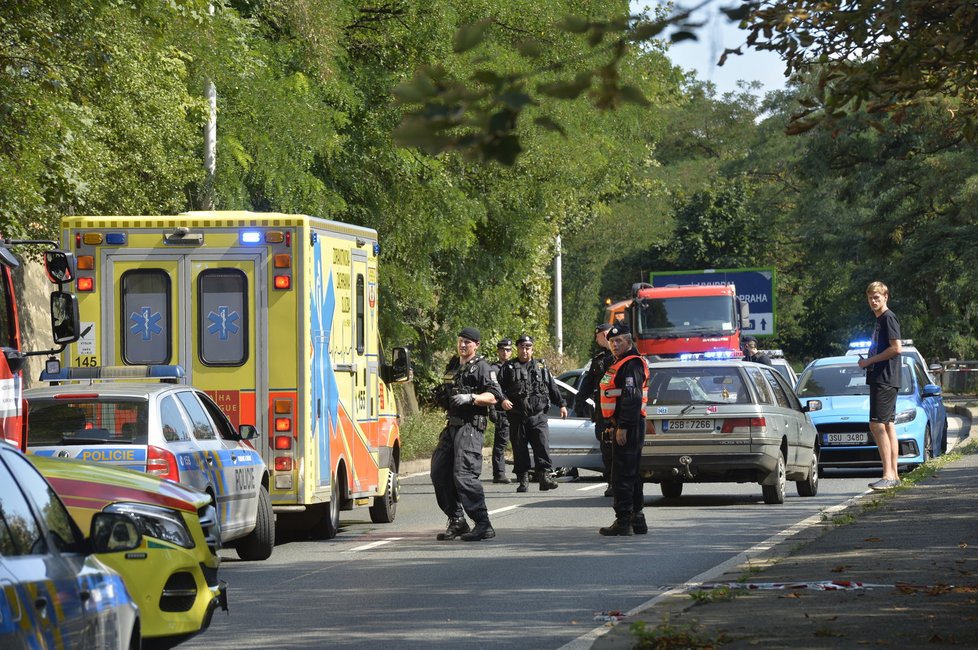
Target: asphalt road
(541, 583)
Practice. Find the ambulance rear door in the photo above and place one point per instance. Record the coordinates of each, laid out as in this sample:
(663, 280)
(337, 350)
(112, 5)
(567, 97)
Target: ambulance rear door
(200, 309)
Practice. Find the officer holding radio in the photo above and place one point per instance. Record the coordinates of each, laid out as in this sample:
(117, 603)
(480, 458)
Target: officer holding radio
(469, 389)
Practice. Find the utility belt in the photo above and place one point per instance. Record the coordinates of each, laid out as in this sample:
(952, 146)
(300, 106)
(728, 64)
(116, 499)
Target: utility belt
(480, 422)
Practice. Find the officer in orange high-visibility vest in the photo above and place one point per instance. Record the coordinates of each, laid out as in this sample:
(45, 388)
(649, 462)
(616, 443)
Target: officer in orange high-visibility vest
(623, 396)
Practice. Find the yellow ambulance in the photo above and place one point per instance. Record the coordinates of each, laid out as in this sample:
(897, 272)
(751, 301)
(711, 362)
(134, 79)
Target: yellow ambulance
(275, 316)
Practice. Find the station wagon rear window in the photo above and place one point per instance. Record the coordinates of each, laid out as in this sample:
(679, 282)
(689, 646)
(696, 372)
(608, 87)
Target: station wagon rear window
(697, 385)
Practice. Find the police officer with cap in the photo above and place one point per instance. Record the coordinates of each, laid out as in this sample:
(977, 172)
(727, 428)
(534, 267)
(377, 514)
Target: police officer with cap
(588, 388)
(749, 345)
(500, 437)
(623, 395)
(468, 391)
(528, 390)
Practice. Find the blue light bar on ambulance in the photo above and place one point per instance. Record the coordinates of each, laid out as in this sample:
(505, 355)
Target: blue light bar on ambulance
(115, 372)
(250, 237)
(115, 238)
(712, 355)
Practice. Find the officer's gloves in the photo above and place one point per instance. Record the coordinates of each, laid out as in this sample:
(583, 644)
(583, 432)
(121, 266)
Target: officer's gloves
(457, 401)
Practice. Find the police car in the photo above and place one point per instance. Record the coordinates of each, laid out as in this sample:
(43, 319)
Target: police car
(907, 349)
(169, 430)
(56, 593)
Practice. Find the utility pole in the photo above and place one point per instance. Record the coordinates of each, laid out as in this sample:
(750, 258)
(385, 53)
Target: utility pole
(210, 140)
(558, 301)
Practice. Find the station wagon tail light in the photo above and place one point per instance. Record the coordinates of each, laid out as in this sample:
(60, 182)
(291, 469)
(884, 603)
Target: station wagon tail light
(744, 425)
(162, 463)
(283, 464)
(86, 284)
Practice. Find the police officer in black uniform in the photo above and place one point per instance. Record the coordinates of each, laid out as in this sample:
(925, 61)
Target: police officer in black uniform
(623, 396)
(749, 345)
(588, 388)
(500, 437)
(528, 390)
(469, 390)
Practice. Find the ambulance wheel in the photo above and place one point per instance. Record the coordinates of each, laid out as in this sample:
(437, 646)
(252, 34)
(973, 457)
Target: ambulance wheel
(258, 544)
(329, 524)
(384, 507)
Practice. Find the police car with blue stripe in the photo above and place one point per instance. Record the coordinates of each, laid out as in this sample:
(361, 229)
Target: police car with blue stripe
(120, 416)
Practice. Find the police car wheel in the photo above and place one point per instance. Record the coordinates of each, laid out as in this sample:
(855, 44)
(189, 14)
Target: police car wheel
(258, 544)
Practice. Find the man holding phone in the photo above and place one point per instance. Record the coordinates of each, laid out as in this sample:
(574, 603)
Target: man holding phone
(882, 364)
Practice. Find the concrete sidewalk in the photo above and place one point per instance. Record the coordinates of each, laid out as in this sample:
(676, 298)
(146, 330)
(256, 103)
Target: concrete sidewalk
(895, 569)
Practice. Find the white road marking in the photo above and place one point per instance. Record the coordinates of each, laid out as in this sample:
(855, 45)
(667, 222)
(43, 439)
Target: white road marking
(586, 488)
(503, 509)
(367, 547)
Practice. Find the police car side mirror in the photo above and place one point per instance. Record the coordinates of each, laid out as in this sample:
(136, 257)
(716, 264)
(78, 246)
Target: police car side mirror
(813, 405)
(247, 431)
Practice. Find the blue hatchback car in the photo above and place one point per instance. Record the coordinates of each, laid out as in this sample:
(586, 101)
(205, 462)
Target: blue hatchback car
(843, 423)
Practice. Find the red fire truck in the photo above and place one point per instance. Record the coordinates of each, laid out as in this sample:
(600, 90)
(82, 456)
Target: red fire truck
(64, 328)
(668, 322)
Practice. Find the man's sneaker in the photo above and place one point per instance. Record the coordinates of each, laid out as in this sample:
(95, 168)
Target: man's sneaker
(884, 484)
(639, 525)
(482, 530)
(456, 527)
(622, 526)
(500, 478)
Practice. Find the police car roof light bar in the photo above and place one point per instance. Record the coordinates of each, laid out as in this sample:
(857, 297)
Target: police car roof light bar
(108, 373)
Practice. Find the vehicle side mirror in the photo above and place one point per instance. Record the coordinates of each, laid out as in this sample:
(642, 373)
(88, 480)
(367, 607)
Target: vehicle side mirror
(931, 390)
(812, 406)
(399, 369)
(247, 431)
(744, 314)
(60, 266)
(112, 532)
(64, 318)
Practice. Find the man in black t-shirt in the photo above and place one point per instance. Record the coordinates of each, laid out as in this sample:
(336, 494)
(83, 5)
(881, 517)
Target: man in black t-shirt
(882, 365)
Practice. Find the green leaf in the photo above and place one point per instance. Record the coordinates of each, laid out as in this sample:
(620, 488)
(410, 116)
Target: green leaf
(471, 35)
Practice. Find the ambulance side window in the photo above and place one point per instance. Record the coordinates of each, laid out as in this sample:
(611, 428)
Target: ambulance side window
(360, 315)
(222, 329)
(203, 429)
(145, 300)
(171, 419)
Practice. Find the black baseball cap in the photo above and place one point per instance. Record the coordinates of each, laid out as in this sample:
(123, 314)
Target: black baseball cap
(505, 343)
(525, 338)
(471, 334)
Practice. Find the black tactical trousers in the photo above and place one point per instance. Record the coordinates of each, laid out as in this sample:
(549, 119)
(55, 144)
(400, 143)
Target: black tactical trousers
(604, 443)
(532, 431)
(455, 467)
(625, 480)
(499, 441)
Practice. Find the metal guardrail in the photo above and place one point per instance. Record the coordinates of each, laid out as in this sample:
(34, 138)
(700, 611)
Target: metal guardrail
(958, 376)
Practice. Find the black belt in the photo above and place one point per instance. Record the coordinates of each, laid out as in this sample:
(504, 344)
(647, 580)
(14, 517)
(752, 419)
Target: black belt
(478, 421)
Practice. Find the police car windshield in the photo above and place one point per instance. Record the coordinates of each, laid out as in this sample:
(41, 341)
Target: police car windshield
(64, 422)
(841, 380)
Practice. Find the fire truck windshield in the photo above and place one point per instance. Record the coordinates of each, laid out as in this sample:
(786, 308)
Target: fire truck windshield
(686, 316)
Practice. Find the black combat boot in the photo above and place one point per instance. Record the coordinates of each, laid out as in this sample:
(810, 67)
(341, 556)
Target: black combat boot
(622, 526)
(524, 482)
(483, 530)
(609, 491)
(547, 481)
(455, 528)
(639, 525)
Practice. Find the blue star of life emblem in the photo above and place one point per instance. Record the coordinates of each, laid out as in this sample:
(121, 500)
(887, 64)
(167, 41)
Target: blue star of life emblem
(223, 322)
(145, 322)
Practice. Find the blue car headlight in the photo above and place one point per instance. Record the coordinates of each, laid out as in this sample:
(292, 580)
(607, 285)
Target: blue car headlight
(905, 416)
(156, 522)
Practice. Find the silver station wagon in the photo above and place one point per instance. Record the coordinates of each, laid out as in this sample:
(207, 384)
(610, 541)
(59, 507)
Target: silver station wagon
(169, 430)
(727, 422)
